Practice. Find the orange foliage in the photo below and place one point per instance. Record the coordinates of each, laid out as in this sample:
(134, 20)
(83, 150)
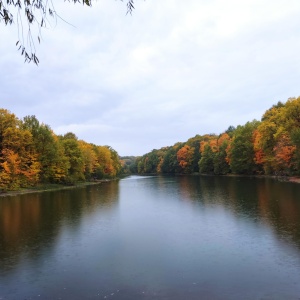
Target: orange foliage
(158, 169)
(213, 143)
(227, 159)
(181, 156)
(12, 162)
(284, 151)
(224, 137)
(185, 156)
(259, 156)
(202, 145)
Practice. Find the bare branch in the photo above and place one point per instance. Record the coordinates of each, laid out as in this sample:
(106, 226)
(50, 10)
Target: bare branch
(35, 12)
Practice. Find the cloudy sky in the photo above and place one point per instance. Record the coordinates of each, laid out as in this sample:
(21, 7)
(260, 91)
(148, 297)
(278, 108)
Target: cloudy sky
(170, 71)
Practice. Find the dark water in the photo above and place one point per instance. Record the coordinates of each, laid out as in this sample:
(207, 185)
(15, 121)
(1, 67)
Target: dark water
(153, 238)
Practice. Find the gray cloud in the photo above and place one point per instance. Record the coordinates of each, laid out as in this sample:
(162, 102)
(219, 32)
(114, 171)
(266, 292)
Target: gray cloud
(162, 75)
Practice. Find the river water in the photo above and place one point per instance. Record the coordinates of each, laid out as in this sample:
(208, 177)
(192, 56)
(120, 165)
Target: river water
(180, 237)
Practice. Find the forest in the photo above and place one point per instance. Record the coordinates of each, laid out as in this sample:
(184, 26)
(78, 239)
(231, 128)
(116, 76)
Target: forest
(31, 153)
(267, 147)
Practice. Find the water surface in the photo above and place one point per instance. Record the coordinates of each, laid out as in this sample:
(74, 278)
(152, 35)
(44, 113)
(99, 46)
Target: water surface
(180, 237)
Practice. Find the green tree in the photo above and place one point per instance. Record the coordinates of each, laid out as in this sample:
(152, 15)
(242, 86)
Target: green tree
(140, 164)
(170, 163)
(220, 162)
(74, 157)
(206, 163)
(230, 131)
(242, 149)
(151, 162)
(129, 165)
(195, 143)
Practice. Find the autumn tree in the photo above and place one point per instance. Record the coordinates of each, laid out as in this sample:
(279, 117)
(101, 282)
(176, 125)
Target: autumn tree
(283, 152)
(89, 158)
(115, 162)
(295, 137)
(185, 157)
(31, 153)
(271, 146)
(275, 141)
(18, 159)
(272, 123)
(54, 164)
(208, 148)
(108, 162)
(7, 120)
(287, 148)
(195, 143)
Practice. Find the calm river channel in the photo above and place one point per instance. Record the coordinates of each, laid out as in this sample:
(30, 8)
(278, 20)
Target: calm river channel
(160, 237)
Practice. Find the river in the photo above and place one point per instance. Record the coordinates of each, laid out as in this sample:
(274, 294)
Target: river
(153, 237)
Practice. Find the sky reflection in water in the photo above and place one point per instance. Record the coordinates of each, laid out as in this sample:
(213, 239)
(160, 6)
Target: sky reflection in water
(153, 238)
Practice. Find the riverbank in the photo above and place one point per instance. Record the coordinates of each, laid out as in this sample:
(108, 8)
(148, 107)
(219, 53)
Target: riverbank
(279, 178)
(294, 179)
(51, 187)
(54, 187)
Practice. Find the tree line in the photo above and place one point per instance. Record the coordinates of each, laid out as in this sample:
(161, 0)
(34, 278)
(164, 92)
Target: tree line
(270, 146)
(31, 153)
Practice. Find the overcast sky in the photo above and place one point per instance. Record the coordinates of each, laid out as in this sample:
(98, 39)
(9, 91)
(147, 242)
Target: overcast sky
(170, 71)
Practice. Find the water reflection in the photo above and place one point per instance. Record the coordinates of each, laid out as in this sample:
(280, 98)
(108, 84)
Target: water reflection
(31, 222)
(177, 237)
(265, 200)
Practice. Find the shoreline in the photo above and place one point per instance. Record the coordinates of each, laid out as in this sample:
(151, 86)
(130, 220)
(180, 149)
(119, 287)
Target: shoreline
(293, 179)
(57, 187)
(52, 187)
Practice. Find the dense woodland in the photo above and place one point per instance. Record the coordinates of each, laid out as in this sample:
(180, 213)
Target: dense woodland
(270, 146)
(31, 153)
